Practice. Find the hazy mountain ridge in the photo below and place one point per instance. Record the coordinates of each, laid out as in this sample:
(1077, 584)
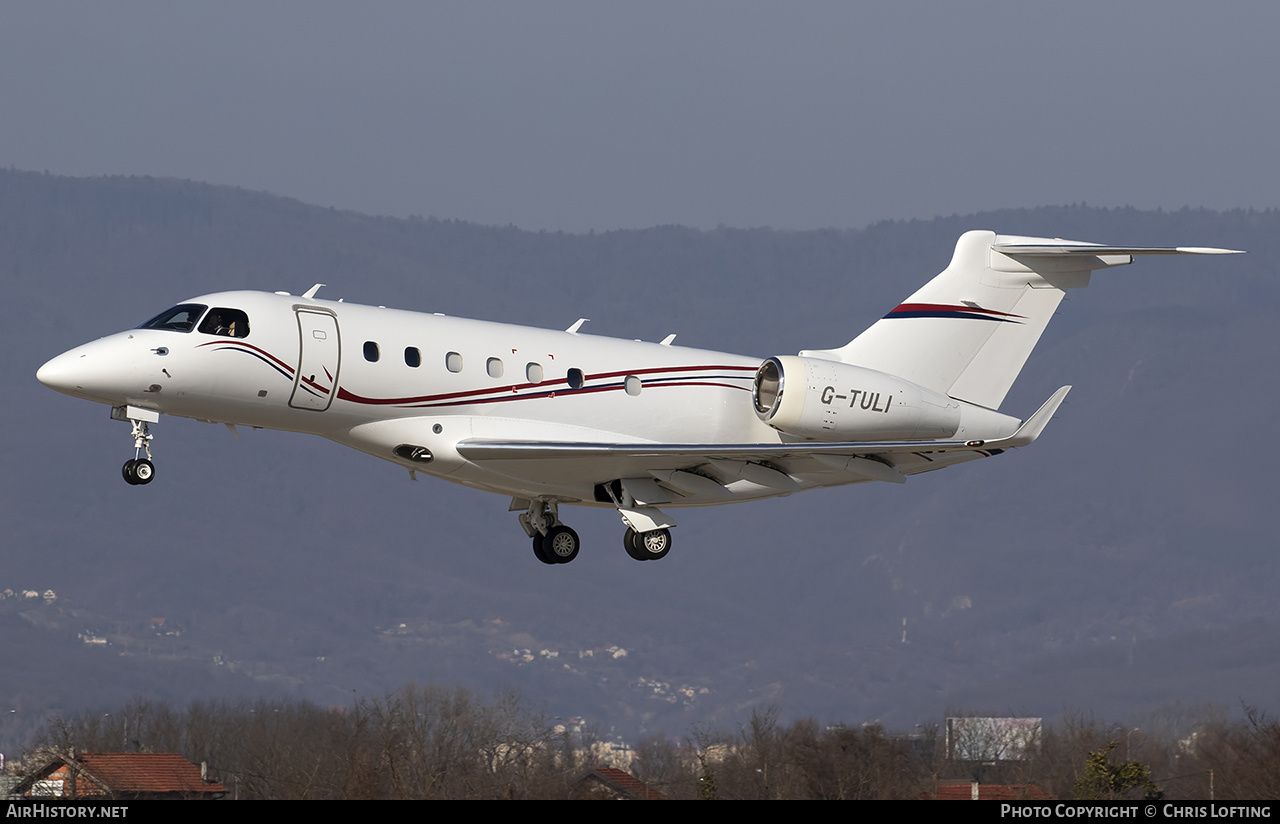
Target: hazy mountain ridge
(1141, 516)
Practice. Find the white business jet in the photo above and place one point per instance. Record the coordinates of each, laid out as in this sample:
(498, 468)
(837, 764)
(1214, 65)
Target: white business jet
(555, 417)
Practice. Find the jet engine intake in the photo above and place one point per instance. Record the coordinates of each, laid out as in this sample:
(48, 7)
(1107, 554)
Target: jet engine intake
(825, 400)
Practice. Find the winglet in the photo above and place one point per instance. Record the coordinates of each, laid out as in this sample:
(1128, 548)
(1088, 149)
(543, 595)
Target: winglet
(1032, 426)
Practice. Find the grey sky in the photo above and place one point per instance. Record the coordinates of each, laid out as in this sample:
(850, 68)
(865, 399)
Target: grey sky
(577, 115)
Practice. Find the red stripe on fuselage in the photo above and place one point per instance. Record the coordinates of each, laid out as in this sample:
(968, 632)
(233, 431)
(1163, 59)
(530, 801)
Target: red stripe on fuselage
(262, 352)
(347, 395)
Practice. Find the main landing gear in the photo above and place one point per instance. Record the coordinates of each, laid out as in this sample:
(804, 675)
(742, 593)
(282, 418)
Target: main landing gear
(555, 543)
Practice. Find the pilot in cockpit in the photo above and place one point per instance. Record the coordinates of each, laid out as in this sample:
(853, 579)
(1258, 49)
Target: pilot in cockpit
(229, 323)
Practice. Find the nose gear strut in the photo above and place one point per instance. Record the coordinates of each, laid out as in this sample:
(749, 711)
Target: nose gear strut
(138, 470)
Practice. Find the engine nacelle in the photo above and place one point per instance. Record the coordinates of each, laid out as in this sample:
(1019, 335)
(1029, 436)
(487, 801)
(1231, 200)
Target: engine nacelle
(831, 401)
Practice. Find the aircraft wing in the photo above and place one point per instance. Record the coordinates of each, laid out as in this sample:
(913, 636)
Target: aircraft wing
(494, 450)
(480, 450)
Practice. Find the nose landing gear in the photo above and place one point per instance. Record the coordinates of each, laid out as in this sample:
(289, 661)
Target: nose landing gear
(138, 470)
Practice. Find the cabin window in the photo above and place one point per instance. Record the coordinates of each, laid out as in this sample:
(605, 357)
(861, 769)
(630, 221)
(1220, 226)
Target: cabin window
(576, 379)
(181, 318)
(453, 362)
(533, 372)
(412, 357)
(633, 385)
(228, 323)
(371, 353)
(494, 367)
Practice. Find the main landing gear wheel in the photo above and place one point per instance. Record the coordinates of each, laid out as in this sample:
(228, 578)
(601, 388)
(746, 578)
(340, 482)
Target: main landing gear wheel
(559, 546)
(647, 546)
(553, 542)
(138, 471)
(537, 550)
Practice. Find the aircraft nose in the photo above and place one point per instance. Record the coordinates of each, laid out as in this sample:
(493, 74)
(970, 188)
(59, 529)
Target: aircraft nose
(63, 373)
(101, 371)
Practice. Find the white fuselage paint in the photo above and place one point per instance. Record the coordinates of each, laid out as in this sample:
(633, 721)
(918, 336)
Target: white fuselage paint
(684, 394)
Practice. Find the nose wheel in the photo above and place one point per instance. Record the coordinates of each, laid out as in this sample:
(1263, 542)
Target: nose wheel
(138, 471)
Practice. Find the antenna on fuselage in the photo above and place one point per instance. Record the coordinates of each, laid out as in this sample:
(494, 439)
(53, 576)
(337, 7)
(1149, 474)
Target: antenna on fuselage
(311, 293)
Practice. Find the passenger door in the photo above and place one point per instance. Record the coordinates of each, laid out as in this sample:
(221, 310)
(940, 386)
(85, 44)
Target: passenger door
(320, 353)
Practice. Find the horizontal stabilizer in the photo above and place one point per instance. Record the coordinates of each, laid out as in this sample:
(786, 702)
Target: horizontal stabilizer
(1068, 248)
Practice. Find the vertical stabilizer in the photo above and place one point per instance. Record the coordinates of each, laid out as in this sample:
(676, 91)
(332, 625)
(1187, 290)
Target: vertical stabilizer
(969, 331)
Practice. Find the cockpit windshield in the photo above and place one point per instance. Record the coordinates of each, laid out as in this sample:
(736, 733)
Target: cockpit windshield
(181, 318)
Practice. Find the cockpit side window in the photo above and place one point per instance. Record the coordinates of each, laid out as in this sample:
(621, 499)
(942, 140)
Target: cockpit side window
(229, 323)
(181, 318)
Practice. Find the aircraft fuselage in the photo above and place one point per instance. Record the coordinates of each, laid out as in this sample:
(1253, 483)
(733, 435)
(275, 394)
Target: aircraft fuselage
(375, 378)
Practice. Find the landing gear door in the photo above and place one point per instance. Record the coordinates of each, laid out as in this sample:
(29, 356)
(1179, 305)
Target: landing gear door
(317, 378)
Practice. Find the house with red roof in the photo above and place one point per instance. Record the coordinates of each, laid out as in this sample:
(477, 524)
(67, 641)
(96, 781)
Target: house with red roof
(119, 776)
(613, 783)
